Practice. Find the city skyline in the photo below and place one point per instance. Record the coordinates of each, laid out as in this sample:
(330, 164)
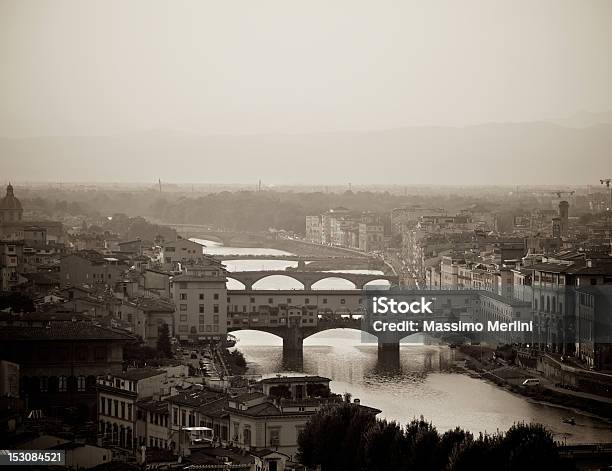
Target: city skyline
(312, 235)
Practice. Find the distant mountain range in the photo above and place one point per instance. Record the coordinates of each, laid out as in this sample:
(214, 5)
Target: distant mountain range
(576, 150)
(584, 119)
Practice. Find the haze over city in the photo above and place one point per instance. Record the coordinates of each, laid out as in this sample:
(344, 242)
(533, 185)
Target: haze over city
(495, 92)
(317, 235)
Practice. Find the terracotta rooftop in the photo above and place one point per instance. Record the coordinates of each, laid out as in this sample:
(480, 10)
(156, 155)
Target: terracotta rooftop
(136, 374)
(78, 330)
(195, 398)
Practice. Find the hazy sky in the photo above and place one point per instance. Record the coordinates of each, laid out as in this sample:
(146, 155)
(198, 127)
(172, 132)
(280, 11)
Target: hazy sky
(104, 67)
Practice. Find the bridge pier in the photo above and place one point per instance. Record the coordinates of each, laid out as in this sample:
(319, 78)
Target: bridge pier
(293, 341)
(293, 360)
(388, 353)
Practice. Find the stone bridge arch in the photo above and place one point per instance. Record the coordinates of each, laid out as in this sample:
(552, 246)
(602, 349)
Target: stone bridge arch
(307, 278)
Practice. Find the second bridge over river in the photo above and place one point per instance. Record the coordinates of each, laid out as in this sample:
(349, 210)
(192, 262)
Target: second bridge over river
(308, 278)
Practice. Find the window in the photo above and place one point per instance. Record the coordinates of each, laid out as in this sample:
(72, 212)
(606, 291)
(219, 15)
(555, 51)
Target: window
(201, 320)
(216, 296)
(288, 300)
(183, 307)
(201, 296)
(102, 406)
(183, 328)
(270, 301)
(246, 435)
(183, 422)
(208, 328)
(252, 300)
(215, 319)
(183, 317)
(122, 409)
(216, 308)
(81, 383)
(183, 297)
(324, 300)
(62, 385)
(175, 415)
(307, 301)
(274, 436)
(201, 308)
(81, 353)
(342, 301)
(116, 406)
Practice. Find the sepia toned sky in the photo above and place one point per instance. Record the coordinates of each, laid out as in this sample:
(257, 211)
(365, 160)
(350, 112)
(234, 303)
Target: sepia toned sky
(86, 68)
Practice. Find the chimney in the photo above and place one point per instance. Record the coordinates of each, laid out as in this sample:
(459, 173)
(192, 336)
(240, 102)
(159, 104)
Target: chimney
(357, 401)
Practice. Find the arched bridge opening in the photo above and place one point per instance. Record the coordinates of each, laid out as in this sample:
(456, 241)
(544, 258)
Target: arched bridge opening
(309, 280)
(333, 282)
(275, 281)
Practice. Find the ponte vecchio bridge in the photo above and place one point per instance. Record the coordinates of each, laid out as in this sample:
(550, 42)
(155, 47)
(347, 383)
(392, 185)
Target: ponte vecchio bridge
(295, 315)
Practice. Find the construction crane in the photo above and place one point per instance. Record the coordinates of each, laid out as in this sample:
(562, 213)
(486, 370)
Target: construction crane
(607, 181)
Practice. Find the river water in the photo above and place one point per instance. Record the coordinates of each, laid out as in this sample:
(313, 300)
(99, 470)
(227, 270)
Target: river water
(420, 385)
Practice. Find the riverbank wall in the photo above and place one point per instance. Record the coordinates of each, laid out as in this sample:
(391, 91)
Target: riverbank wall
(510, 378)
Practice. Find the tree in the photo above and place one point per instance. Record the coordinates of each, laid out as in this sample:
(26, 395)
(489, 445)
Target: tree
(163, 341)
(385, 447)
(530, 446)
(362, 442)
(238, 358)
(424, 441)
(476, 455)
(347, 424)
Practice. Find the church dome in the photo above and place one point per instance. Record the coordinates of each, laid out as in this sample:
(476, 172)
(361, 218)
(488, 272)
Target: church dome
(9, 202)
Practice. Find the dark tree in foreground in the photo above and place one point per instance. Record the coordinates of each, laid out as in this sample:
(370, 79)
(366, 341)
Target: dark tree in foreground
(385, 447)
(163, 341)
(347, 437)
(334, 436)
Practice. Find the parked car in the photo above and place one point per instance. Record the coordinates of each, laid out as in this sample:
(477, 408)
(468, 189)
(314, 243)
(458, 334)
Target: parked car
(531, 382)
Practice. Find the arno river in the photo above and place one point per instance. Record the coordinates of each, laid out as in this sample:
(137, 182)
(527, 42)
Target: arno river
(421, 385)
